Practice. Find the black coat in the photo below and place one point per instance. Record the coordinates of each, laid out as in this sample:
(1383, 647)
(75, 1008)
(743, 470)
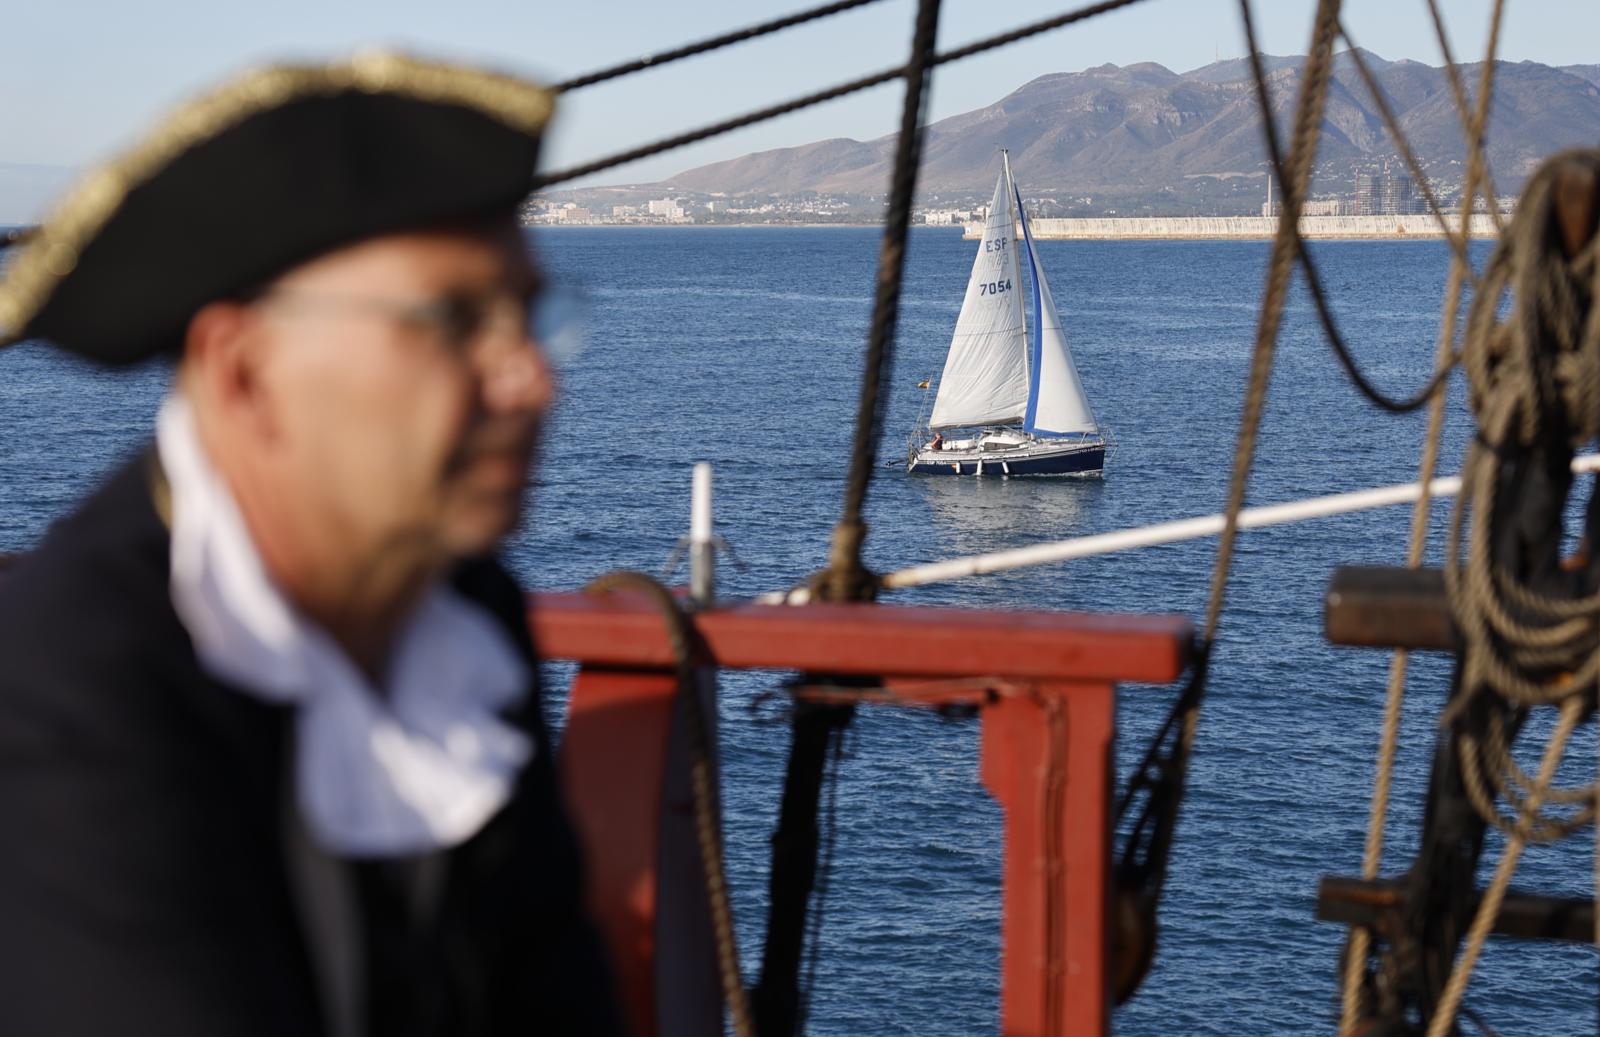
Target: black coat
(143, 883)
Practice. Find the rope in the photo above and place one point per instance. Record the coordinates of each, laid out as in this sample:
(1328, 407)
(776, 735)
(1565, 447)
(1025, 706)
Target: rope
(1319, 297)
(1536, 391)
(1535, 383)
(780, 1007)
(830, 841)
(829, 94)
(1472, 125)
(1307, 128)
(1445, 359)
(666, 57)
(707, 833)
(846, 579)
(1160, 778)
(1397, 136)
(1489, 907)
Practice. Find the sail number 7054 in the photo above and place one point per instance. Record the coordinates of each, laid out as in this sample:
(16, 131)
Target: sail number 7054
(994, 287)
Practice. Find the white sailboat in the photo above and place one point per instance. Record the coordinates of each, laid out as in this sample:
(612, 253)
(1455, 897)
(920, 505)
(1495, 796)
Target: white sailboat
(1009, 403)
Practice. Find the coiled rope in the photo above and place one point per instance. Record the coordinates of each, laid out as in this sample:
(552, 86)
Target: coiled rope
(1535, 383)
(1535, 387)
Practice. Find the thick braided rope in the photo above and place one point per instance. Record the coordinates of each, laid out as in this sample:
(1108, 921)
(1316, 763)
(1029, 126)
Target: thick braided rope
(1309, 107)
(1473, 121)
(1542, 364)
(1394, 697)
(846, 578)
(1302, 151)
(708, 834)
(1473, 125)
(1444, 1014)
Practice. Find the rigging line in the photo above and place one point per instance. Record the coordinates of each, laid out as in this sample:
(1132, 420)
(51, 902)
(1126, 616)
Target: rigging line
(846, 578)
(1445, 357)
(1319, 297)
(1394, 693)
(1397, 136)
(820, 96)
(779, 1007)
(825, 864)
(707, 45)
(1309, 110)
(1470, 125)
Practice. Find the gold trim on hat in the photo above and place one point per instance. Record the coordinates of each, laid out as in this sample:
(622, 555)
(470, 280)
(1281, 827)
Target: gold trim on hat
(53, 252)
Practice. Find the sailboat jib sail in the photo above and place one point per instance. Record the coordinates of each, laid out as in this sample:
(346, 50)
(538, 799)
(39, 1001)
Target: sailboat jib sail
(985, 380)
(1057, 405)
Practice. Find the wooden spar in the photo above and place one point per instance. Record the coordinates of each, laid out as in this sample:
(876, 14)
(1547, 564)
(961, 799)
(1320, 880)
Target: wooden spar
(1043, 685)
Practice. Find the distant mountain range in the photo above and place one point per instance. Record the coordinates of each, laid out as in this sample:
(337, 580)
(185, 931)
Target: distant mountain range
(1155, 140)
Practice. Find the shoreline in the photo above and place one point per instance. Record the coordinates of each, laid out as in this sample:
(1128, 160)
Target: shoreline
(1136, 228)
(1250, 228)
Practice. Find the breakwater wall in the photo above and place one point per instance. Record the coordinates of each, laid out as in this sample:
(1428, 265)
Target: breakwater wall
(1245, 227)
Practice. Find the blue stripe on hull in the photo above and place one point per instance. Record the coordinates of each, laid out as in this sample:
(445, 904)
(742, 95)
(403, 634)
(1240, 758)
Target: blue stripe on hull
(1078, 462)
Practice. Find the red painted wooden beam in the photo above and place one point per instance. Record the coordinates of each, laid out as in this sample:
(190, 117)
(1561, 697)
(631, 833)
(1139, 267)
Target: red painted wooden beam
(623, 630)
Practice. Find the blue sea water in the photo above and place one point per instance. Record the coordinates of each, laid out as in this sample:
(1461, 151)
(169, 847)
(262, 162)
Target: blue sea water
(742, 347)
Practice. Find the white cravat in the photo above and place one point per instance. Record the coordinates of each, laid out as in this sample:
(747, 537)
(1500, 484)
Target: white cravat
(418, 769)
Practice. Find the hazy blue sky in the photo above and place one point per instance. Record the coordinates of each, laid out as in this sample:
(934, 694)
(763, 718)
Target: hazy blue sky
(80, 78)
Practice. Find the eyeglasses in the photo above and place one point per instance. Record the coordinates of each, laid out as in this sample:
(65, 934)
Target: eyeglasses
(548, 316)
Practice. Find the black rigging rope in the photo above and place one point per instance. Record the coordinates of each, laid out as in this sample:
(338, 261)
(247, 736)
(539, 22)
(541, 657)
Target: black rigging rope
(831, 93)
(846, 579)
(1319, 297)
(705, 46)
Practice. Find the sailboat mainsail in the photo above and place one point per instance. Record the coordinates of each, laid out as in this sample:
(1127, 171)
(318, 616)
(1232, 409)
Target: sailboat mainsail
(985, 380)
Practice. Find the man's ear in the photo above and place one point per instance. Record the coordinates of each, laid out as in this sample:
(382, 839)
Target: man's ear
(221, 363)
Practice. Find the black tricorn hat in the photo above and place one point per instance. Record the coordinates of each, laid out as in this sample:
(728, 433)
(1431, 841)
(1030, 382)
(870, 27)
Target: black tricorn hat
(272, 169)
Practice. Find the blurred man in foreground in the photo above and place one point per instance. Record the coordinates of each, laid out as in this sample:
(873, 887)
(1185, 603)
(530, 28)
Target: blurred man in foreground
(271, 755)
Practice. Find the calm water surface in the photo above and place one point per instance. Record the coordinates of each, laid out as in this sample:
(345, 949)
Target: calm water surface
(742, 347)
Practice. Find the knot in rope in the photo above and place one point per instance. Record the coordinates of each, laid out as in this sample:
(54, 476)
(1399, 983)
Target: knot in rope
(846, 578)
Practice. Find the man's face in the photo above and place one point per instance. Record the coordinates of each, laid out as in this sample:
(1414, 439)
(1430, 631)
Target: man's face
(403, 392)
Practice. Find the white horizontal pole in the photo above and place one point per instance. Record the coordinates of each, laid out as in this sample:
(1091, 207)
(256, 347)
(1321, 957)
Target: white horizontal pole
(1184, 529)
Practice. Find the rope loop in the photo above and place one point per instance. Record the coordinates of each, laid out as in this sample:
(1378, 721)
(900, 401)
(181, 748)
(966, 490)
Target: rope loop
(707, 820)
